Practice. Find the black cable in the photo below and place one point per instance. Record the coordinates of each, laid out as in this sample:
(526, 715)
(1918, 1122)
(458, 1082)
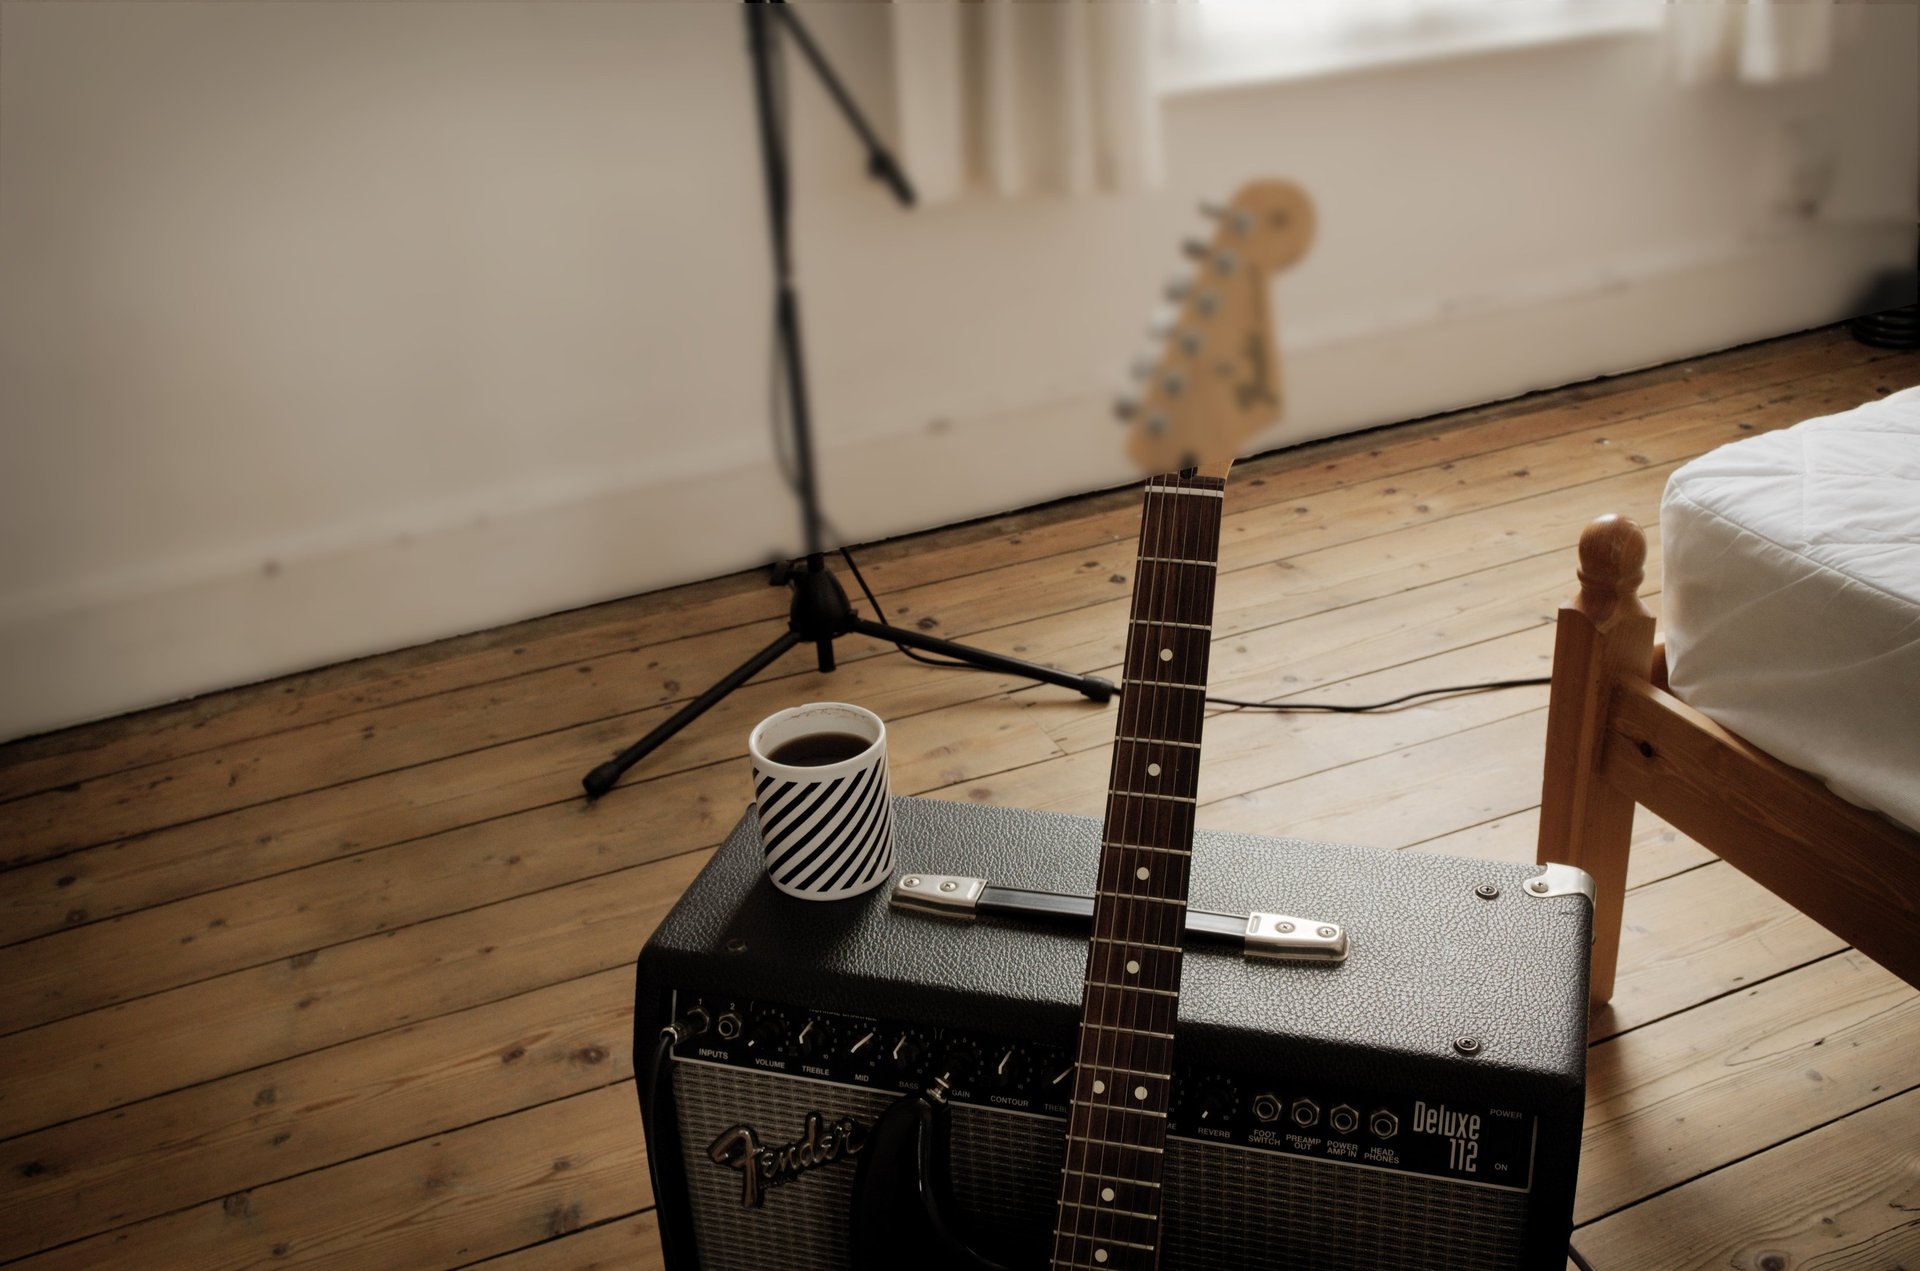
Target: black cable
(1331, 708)
(1338, 708)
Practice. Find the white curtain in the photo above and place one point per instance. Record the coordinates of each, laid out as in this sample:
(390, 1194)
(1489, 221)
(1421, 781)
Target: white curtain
(1754, 41)
(1018, 99)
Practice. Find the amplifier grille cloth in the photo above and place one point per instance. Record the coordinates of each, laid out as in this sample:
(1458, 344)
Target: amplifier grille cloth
(1226, 1209)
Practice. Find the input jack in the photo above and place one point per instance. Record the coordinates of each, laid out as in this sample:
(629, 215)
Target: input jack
(1306, 1113)
(1344, 1119)
(1384, 1124)
(728, 1026)
(1266, 1107)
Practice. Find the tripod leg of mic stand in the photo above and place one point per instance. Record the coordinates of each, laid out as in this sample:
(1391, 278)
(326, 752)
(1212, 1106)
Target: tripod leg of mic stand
(1095, 687)
(602, 779)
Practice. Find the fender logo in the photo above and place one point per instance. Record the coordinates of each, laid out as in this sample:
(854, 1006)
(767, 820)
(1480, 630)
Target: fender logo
(761, 1168)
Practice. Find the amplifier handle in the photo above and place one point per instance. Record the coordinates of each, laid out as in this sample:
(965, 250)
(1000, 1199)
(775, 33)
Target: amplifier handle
(1280, 937)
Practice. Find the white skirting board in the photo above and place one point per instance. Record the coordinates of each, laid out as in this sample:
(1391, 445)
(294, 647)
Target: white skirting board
(104, 646)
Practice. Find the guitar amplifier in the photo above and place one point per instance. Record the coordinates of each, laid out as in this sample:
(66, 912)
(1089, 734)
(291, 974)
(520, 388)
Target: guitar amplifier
(1416, 1106)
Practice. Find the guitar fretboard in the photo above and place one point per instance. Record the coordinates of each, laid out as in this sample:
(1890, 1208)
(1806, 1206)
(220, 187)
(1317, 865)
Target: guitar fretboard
(1109, 1217)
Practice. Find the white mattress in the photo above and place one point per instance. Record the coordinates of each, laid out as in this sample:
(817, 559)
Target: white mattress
(1791, 597)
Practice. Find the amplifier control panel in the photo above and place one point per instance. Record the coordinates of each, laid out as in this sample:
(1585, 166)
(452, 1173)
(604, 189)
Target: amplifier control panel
(1301, 1114)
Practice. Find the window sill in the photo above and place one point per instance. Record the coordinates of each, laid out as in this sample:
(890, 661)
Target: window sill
(1218, 69)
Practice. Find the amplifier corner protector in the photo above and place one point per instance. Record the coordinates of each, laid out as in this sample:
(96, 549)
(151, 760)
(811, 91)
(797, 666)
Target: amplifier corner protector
(1561, 880)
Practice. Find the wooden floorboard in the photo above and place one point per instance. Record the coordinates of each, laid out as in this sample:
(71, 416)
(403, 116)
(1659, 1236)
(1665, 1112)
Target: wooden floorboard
(337, 969)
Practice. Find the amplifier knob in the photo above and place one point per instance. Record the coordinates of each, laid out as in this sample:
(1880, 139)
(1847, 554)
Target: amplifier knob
(814, 1039)
(768, 1035)
(907, 1052)
(1010, 1069)
(1215, 1103)
(958, 1062)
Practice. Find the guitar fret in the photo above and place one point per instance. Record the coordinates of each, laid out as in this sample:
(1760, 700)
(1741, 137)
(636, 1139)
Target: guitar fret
(1105, 1241)
(1129, 1147)
(1120, 1107)
(1168, 622)
(1148, 847)
(1121, 1028)
(1136, 988)
(1159, 741)
(1131, 1072)
(1109, 1209)
(1140, 944)
(1176, 489)
(1150, 794)
(1178, 560)
(1113, 1178)
(1128, 895)
(1192, 688)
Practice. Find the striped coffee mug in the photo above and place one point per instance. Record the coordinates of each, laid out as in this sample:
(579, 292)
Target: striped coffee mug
(820, 788)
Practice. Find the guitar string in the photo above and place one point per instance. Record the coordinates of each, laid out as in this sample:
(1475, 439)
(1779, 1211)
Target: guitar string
(1130, 816)
(1099, 1045)
(1123, 1140)
(1180, 532)
(1144, 920)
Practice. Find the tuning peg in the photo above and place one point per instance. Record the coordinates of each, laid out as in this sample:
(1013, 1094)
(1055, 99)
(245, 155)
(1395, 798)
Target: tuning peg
(1212, 210)
(1156, 424)
(1164, 320)
(1207, 302)
(1144, 366)
(1196, 248)
(1189, 342)
(1179, 288)
(1126, 407)
(1173, 383)
(1226, 262)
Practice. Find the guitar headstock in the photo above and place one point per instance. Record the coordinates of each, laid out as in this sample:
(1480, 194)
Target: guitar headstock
(1215, 381)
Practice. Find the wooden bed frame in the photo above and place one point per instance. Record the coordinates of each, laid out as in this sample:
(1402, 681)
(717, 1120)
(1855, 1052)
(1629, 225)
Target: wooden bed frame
(1616, 738)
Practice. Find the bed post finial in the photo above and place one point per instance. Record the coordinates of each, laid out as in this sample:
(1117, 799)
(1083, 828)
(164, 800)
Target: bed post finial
(1613, 560)
(1603, 633)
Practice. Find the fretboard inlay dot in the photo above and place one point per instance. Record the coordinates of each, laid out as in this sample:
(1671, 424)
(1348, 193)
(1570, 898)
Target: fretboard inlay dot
(1099, 1087)
(1142, 873)
(1106, 1193)
(1166, 655)
(1133, 968)
(1153, 770)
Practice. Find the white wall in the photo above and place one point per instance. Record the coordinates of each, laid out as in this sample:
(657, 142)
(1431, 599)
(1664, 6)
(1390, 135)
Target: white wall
(333, 328)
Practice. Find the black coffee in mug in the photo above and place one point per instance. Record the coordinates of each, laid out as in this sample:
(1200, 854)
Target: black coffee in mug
(816, 750)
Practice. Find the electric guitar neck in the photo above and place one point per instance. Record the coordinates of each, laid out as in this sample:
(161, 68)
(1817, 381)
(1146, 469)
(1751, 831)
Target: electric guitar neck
(1213, 386)
(1109, 1211)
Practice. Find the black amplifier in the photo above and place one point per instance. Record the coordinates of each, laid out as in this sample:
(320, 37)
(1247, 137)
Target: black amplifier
(1417, 1105)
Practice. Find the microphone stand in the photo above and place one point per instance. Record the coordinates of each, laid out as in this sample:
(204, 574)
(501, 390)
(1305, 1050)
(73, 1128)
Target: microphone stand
(820, 612)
